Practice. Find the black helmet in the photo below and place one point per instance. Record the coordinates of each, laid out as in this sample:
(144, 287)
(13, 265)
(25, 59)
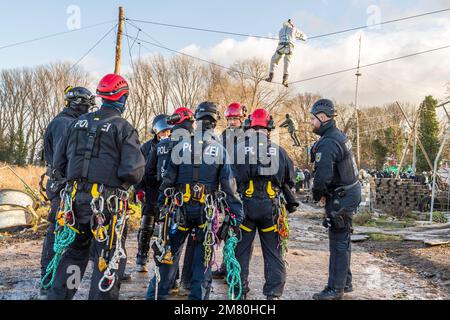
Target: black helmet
(207, 109)
(79, 96)
(324, 106)
(160, 124)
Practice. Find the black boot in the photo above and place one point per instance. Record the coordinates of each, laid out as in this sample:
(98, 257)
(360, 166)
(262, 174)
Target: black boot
(270, 78)
(329, 294)
(285, 80)
(348, 289)
(144, 237)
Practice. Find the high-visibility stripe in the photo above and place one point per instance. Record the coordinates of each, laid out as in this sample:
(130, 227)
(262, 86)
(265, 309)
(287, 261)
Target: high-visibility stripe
(273, 228)
(245, 228)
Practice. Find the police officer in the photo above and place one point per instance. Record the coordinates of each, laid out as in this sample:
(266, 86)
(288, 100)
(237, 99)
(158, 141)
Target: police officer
(235, 115)
(100, 157)
(147, 193)
(336, 185)
(197, 180)
(265, 176)
(182, 119)
(78, 102)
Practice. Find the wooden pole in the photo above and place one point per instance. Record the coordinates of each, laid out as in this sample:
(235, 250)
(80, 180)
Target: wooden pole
(358, 143)
(119, 40)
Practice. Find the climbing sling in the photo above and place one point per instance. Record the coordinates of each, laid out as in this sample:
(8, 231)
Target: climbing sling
(109, 235)
(168, 224)
(65, 233)
(228, 235)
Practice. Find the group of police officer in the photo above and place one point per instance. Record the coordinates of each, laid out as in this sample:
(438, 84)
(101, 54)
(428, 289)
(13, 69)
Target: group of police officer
(97, 155)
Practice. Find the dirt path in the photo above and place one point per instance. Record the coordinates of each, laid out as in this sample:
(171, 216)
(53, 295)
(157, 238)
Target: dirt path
(375, 276)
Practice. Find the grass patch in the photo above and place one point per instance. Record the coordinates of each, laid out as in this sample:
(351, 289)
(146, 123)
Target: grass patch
(439, 217)
(384, 237)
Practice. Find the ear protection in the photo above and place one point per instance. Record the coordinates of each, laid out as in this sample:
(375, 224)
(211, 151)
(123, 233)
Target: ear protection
(177, 118)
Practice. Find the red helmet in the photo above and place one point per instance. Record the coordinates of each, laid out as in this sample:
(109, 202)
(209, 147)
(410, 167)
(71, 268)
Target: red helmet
(261, 118)
(112, 87)
(236, 110)
(180, 115)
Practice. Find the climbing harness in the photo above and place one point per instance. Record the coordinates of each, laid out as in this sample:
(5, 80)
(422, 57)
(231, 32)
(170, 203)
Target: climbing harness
(65, 233)
(109, 234)
(168, 224)
(282, 226)
(211, 228)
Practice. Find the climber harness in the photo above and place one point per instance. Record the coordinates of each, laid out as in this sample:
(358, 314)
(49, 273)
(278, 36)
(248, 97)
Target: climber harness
(285, 48)
(281, 225)
(169, 220)
(109, 232)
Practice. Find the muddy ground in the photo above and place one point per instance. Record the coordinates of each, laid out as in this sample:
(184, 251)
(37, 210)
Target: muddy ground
(382, 270)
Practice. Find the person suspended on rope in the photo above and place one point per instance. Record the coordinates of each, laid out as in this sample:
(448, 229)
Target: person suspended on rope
(78, 101)
(292, 129)
(265, 176)
(337, 187)
(235, 115)
(197, 172)
(100, 158)
(181, 119)
(147, 192)
(288, 34)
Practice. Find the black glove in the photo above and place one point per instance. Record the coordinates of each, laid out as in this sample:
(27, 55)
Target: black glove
(224, 228)
(326, 222)
(335, 220)
(156, 254)
(237, 231)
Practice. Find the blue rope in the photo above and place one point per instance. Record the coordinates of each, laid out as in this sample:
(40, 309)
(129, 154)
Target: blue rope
(63, 239)
(233, 267)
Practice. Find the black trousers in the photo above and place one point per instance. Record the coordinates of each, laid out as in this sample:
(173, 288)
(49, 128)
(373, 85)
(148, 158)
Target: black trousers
(260, 216)
(74, 261)
(339, 270)
(47, 247)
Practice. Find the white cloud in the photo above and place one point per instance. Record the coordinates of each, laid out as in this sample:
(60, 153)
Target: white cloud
(404, 80)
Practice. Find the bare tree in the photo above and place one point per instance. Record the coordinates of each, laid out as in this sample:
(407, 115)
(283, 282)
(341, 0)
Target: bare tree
(187, 82)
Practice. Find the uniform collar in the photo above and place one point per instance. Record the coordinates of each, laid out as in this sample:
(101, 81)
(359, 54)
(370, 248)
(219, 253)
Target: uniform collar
(72, 113)
(108, 111)
(326, 128)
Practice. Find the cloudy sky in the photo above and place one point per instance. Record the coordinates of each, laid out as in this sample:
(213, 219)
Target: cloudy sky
(404, 80)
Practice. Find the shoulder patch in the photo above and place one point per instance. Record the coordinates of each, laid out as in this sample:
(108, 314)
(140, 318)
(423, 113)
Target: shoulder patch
(318, 157)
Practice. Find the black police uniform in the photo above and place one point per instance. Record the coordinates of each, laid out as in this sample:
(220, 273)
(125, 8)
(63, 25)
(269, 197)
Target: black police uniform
(150, 208)
(155, 168)
(55, 131)
(260, 209)
(213, 171)
(116, 162)
(336, 178)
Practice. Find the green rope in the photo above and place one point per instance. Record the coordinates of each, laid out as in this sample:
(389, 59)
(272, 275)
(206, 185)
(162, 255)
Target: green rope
(63, 239)
(233, 267)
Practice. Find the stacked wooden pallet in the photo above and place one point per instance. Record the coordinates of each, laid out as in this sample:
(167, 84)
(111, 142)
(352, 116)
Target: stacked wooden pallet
(397, 194)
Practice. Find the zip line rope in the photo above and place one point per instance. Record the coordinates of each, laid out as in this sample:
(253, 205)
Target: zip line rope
(297, 81)
(272, 38)
(88, 52)
(54, 35)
